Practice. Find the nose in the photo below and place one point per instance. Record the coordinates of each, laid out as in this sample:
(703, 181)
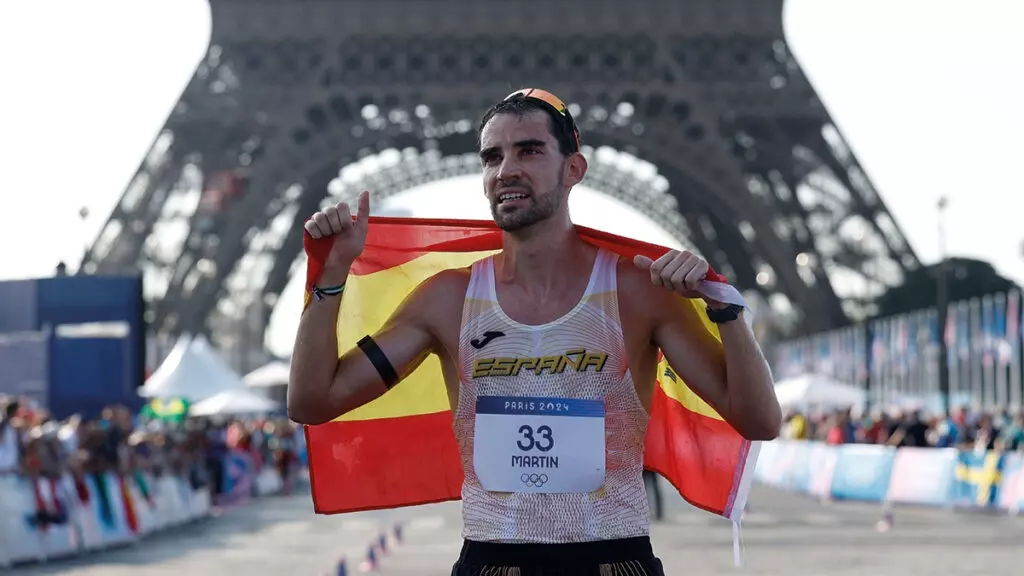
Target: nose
(509, 169)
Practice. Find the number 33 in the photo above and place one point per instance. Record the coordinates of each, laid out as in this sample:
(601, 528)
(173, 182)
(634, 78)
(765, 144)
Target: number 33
(544, 441)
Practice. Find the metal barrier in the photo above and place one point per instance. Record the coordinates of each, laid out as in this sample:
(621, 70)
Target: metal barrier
(43, 519)
(941, 477)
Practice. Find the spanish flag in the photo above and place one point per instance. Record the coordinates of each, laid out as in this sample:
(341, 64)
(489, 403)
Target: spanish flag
(400, 449)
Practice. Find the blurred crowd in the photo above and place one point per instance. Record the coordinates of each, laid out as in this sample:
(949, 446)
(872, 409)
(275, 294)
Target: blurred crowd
(35, 445)
(998, 430)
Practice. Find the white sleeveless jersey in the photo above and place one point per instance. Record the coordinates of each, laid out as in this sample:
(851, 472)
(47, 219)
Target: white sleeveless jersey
(619, 508)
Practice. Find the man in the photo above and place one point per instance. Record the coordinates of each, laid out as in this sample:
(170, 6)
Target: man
(547, 293)
(10, 439)
(11, 463)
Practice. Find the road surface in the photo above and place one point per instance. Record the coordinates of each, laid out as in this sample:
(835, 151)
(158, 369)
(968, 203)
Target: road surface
(784, 534)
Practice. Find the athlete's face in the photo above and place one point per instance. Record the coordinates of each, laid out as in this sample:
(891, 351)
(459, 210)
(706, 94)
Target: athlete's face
(526, 178)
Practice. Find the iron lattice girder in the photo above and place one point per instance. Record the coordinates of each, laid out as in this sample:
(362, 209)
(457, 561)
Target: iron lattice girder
(284, 83)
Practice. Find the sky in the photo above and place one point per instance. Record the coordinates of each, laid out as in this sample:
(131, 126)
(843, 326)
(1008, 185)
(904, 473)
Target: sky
(921, 89)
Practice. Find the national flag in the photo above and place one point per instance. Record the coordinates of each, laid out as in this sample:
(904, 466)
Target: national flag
(1003, 311)
(1012, 317)
(987, 331)
(978, 476)
(400, 449)
(950, 329)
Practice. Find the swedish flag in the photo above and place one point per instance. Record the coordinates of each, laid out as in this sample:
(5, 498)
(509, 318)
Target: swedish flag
(977, 478)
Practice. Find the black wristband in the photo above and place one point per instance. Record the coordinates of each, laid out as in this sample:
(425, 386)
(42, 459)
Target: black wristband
(723, 315)
(379, 361)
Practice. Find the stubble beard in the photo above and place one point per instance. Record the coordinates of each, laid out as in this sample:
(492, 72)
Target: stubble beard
(539, 209)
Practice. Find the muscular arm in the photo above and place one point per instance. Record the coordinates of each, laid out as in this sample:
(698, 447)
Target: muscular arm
(733, 378)
(323, 386)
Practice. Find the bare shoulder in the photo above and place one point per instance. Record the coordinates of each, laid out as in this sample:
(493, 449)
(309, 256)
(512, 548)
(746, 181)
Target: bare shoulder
(449, 280)
(637, 294)
(640, 298)
(440, 292)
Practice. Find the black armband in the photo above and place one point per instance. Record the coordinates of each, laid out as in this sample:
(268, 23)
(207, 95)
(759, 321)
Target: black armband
(379, 361)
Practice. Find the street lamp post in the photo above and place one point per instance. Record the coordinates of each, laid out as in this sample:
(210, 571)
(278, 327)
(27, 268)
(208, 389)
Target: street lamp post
(942, 303)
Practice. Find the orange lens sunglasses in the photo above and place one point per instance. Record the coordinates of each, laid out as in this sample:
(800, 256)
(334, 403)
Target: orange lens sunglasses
(553, 101)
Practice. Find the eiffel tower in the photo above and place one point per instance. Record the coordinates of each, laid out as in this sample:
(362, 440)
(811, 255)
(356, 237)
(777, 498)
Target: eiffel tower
(741, 159)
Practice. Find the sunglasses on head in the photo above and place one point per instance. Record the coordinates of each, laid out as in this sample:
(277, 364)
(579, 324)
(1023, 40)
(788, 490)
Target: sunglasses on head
(554, 102)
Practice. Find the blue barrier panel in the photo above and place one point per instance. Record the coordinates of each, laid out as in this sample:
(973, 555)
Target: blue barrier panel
(237, 477)
(766, 461)
(976, 479)
(862, 472)
(42, 518)
(873, 473)
(1010, 495)
(823, 467)
(780, 460)
(798, 476)
(923, 476)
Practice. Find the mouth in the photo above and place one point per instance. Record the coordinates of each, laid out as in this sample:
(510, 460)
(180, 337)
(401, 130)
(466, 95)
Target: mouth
(511, 197)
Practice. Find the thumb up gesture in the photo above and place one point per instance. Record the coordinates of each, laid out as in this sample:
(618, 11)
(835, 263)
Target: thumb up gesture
(348, 231)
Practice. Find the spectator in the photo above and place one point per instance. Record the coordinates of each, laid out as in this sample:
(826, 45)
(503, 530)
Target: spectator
(961, 428)
(909, 431)
(10, 443)
(35, 445)
(1011, 437)
(985, 435)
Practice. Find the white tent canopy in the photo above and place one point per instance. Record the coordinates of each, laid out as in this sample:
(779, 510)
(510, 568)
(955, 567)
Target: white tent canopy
(193, 370)
(273, 374)
(233, 403)
(816, 391)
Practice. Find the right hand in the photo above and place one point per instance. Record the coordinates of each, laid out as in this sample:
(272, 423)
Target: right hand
(349, 234)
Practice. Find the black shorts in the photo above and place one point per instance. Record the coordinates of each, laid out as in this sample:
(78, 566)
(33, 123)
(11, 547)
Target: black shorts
(624, 557)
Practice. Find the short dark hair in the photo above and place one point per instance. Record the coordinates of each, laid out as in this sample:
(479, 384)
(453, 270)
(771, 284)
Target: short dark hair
(562, 127)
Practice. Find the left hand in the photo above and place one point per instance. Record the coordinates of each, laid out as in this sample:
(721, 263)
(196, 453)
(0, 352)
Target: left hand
(681, 272)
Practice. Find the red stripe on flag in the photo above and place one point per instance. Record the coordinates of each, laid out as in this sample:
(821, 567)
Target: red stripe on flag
(344, 478)
(383, 463)
(394, 241)
(705, 453)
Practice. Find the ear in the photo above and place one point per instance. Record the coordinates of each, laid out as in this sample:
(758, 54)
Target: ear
(575, 169)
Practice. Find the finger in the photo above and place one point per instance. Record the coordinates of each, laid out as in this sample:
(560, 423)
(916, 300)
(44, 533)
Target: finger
(344, 217)
(363, 208)
(656, 277)
(320, 219)
(683, 262)
(696, 275)
(659, 264)
(670, 269)
(658, 267)
(678, 279)
(312, 229)
(693, 278)
(642, 262)
(338, 217)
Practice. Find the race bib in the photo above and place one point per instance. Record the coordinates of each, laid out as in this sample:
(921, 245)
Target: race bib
(542, 445)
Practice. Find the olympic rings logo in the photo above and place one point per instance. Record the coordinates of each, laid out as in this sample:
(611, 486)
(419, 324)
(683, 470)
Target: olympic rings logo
(534, 480)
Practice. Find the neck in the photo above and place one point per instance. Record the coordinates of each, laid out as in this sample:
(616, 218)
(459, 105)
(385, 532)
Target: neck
(544, 258)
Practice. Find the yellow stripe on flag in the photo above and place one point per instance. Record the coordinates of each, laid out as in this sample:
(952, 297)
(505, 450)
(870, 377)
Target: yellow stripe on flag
(368, 301)
(673, 384)
(677, 390)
